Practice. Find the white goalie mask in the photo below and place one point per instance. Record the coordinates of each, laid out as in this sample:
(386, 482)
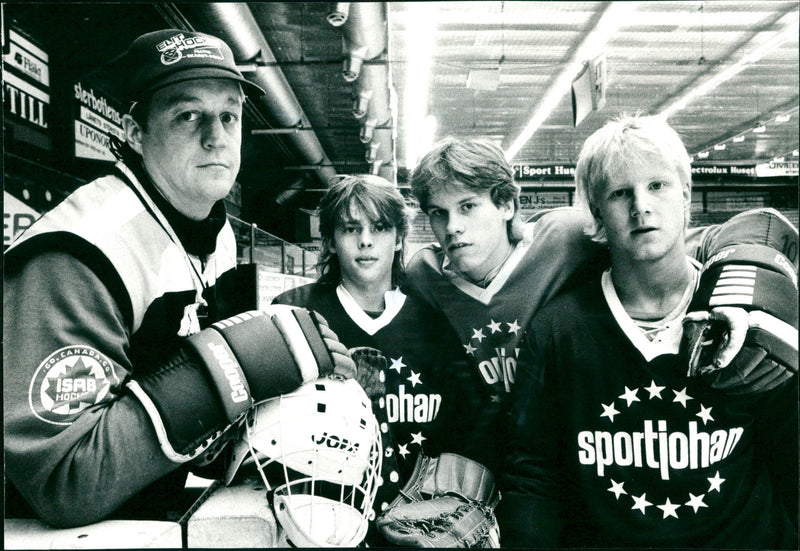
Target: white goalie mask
(318, 449)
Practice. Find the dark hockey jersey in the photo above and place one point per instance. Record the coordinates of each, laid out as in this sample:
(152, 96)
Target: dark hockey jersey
(422, 355)
(614, 446)
(491, 322)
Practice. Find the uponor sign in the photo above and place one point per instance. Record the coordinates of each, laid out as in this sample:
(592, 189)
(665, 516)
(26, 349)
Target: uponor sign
(96, 119)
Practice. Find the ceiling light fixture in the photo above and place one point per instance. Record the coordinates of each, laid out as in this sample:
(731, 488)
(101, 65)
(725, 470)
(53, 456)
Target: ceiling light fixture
(702, 155)
(759, 129)
(795, 153)
(614, 17)
(789, 32)
(719, 147)
(738, 139)
(339, 13)
(420, 44)
(782, 118)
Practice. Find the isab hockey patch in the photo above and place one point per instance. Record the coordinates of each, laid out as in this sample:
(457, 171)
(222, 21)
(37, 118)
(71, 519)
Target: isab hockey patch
(70, 380)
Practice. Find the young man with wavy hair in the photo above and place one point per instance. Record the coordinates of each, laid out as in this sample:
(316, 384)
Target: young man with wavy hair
(364, 221)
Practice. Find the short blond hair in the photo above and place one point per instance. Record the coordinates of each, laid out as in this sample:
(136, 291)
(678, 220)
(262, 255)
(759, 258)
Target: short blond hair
(615, 147)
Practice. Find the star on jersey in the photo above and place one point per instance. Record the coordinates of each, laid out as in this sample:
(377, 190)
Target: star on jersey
(397, 364)
(715, 482)
(513, 327)
(681, 396)
(654, 390)
(669, 509)
(494, 326)
(617, 488)
(469, 348)
(478, 335)
(641, 503)
(402, 449)
(417, 438)
(609, 411)
(630, 395)
(705, 414)
(695, 502)
(414, 378)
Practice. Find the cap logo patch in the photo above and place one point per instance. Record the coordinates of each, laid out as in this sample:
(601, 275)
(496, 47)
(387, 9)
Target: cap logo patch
(176, 48)
(70, 380)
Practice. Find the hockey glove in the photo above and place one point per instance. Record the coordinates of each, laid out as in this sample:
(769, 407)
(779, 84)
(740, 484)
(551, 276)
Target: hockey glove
(445, 521)
(740, 334)
(225, 369)
(448, 501)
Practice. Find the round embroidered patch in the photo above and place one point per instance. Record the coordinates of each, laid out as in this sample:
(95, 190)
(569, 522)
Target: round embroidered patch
(69, 381)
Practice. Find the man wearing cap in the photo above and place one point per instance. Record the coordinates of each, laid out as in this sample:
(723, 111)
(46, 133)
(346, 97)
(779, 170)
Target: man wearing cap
(115, 381)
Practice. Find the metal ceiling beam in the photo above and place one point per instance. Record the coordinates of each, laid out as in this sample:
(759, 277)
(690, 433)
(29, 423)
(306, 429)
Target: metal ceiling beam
(790, 106)
(740, 51)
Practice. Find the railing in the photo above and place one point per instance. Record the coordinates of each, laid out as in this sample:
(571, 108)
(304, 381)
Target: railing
(254, 245)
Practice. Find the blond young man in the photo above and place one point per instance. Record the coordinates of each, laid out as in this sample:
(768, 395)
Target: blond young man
(612, 443)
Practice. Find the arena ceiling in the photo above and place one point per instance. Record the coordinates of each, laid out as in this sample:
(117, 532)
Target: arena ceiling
(724, 72)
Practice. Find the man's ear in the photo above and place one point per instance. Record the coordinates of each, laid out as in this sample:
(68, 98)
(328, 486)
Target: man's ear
(507, 209)
(133, 133)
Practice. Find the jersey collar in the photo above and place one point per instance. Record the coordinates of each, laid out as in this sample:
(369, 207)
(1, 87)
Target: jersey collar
(666, 342)
(393, 299)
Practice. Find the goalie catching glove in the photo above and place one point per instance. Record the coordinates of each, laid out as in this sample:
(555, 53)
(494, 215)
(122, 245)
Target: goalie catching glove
(449, 501)
(740, 334)
(225, 369)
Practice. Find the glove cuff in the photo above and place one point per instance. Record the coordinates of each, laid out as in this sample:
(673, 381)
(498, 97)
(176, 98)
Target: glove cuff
(304, 340)
(225, 372)
(182, 407)
(753, 277)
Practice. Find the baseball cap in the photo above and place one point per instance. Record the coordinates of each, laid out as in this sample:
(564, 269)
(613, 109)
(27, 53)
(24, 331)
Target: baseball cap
(160, 58)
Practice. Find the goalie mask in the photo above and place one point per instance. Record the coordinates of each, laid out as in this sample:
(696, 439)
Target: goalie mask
(318, 451)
